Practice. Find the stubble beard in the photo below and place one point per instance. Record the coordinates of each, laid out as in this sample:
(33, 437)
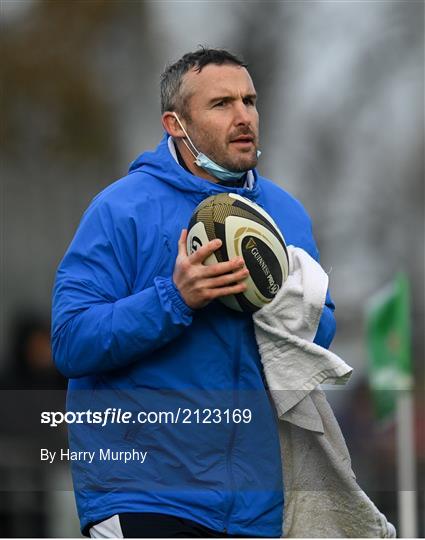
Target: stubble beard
(219, 153)
(240, 163)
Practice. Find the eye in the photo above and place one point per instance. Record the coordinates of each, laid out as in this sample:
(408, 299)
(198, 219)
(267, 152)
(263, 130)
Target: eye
(219, 104)
(249, 101)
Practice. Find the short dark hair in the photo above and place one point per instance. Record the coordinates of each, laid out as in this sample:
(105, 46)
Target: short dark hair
(171, 79)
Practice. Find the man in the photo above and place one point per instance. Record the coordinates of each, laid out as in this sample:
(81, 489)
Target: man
(137, 326)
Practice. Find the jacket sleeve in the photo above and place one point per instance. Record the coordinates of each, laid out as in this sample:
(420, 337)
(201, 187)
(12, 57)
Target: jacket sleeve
(97, 323)
(327, 324)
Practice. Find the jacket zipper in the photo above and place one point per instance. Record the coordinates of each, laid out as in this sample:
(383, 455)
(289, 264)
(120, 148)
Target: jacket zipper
(235, 402)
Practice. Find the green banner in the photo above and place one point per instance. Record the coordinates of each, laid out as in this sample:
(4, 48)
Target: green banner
(388, 343)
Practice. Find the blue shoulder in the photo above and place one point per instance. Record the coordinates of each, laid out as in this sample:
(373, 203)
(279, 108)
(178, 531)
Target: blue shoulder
(290, 215)
(124, 196)
(276, 195)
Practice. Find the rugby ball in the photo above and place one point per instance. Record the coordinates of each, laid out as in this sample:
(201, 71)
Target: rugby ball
(246, 230)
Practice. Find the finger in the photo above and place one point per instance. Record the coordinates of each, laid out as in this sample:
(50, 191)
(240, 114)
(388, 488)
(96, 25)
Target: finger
(227, 279)
(182, 249)
(223, 268)
(226, 291)
(203, 252)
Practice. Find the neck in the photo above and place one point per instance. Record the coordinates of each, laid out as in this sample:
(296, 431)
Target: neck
(190, 164)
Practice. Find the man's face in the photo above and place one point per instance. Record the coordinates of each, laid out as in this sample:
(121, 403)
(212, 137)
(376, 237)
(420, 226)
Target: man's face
(222, 118)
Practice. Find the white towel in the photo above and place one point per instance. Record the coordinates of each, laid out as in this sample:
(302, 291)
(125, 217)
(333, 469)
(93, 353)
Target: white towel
(285, 329)
(322, 498)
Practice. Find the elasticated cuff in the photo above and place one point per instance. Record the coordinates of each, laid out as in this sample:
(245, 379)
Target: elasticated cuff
(167, 287)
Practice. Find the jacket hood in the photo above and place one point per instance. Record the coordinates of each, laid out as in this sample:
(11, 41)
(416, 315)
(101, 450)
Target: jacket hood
(161, 164)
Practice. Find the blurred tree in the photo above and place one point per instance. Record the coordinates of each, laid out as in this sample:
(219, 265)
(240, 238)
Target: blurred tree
(51, 103)
(72, 75)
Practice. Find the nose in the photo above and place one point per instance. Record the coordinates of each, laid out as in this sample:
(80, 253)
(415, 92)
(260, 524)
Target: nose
(242, 114)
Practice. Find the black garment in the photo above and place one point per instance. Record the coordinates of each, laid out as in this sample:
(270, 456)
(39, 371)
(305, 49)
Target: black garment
(151, 525)
(181, 160)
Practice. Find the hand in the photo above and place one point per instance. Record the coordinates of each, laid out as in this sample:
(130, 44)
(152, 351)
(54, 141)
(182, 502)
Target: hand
(198, 283)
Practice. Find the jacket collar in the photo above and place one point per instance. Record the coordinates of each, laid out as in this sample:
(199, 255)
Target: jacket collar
(163, 165)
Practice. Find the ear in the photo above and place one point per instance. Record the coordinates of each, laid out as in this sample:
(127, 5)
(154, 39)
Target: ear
(171, 126)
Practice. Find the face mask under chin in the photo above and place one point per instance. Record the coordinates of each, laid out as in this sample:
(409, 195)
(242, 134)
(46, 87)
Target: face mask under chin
(203, 161)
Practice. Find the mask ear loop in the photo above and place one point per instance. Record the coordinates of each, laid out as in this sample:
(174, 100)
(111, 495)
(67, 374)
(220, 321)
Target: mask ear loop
(188, 138)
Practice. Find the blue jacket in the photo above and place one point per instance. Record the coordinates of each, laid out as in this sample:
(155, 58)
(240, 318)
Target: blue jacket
(126, 339)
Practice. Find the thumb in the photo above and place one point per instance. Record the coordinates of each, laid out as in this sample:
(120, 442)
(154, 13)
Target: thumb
(182, 248)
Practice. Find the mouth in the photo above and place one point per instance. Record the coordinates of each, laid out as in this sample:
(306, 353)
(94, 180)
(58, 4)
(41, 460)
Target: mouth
(243, 141)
